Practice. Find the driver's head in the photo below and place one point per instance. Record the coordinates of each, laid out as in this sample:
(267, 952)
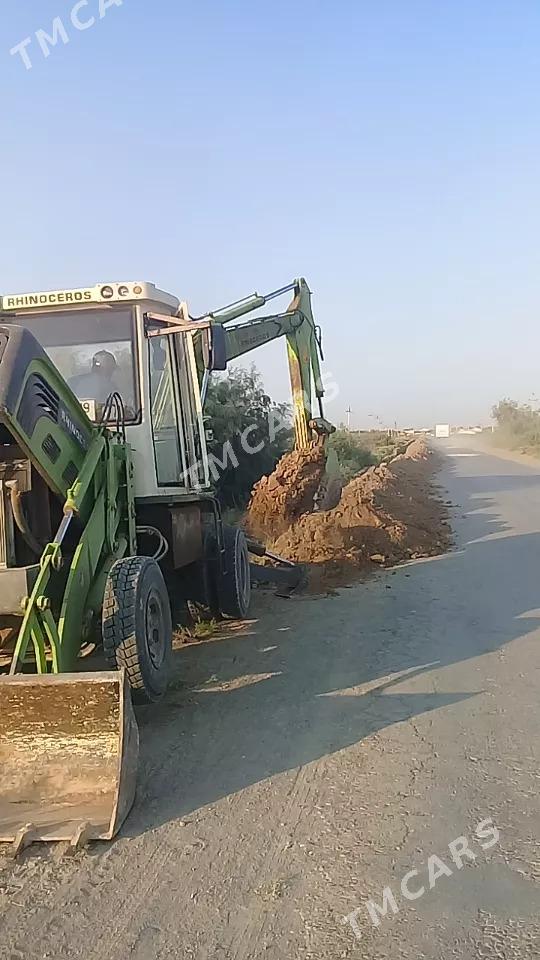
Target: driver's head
(104, 363)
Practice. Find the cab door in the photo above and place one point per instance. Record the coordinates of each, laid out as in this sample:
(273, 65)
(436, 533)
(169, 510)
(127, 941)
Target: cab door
(176, 409)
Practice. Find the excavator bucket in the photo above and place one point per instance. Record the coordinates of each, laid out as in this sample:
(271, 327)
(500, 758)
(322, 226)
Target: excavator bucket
(329, 493)
(69, 746)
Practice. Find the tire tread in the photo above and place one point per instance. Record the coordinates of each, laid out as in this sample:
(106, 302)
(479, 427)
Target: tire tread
(119, 621)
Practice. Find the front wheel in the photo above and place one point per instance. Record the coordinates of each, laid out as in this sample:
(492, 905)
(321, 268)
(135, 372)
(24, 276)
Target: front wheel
(137, 626)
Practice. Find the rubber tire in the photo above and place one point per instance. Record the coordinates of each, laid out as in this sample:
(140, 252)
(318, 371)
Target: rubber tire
(130, 585)
(235, 584)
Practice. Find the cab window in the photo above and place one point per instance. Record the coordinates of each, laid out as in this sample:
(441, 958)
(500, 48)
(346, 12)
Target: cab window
(164, 409)
(94, 350)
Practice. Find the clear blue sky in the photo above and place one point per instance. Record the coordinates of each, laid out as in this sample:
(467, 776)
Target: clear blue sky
(386, 150)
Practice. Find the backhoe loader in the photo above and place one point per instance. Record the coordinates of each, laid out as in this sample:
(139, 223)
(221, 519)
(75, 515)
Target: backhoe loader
(107, 518)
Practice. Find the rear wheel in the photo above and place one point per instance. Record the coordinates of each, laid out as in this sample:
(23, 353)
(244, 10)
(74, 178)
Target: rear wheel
(137, 626)
(235, 582)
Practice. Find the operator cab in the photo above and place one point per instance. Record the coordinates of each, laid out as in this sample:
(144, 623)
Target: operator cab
(129, 366)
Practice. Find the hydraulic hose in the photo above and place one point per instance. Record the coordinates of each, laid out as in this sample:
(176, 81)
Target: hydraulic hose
(163, 547)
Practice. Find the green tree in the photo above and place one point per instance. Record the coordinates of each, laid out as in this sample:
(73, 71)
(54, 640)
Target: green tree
(243, 418)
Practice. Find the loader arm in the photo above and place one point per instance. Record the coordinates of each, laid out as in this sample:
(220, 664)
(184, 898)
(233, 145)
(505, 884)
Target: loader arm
(303, 350)
(68, 740)
(88, 473)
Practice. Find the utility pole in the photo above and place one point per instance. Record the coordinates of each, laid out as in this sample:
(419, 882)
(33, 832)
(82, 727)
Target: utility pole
(348, 412)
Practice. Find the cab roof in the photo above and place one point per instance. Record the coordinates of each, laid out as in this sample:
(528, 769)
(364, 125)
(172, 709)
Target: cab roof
(101, 293)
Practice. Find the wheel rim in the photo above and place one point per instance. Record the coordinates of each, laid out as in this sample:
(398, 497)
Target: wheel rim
(155, 630)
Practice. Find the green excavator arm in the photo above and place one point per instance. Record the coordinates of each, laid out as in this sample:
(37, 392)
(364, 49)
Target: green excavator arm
(304, 350)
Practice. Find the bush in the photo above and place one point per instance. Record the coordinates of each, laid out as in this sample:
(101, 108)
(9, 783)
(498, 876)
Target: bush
(358, 449)
(518, 425)
(352, 455)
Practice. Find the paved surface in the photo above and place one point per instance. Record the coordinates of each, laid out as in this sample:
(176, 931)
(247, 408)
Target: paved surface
(313, 760)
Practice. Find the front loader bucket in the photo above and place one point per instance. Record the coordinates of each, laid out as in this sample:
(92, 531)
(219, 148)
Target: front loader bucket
(68, 757)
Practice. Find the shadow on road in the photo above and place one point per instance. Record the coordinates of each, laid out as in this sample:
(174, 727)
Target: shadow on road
(278, 695)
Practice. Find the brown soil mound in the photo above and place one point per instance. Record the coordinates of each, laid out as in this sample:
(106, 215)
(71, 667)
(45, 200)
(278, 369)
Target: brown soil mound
(388, 514)
(279, 500)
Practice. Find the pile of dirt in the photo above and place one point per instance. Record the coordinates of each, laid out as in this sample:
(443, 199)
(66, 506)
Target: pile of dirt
(280, 499)
(387, 514)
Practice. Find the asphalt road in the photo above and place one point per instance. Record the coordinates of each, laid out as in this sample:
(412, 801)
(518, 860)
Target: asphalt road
(334, 748)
